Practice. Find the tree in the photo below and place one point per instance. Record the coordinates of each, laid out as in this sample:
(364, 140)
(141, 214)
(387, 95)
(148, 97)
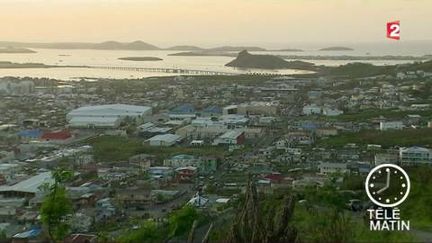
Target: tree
(56, 206)
(253, 224)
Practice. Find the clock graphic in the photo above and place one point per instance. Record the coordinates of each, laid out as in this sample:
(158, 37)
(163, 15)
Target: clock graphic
(387, 185)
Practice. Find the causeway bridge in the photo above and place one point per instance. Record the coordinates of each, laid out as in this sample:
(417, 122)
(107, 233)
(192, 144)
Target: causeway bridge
(165, 70)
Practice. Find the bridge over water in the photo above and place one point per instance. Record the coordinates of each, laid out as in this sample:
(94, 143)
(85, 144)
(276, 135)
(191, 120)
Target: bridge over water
(165, 70)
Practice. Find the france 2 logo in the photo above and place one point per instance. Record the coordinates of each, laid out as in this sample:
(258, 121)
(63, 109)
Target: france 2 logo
(393, 30)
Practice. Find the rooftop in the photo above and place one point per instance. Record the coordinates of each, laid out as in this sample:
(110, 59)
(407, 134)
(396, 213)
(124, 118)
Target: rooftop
(30, 185)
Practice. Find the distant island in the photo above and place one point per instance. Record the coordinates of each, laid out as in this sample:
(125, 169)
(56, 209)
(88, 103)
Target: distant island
(10, 49)
(203, 53)
(6, 65)
(107, 45)
(237, 48)
(141, 59)
(247, 60)
(184, 48)
(336, 48)
(23, 65)
(115, 45)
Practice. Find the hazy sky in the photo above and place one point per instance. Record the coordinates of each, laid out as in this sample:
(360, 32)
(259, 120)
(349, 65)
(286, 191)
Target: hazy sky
(165, 22)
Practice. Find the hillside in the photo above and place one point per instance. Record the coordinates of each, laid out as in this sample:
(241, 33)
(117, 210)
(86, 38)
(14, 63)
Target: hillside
(247, 60)
(237, 48)
(358, 69)
(185, 48)
(107, 45)
(15, 50)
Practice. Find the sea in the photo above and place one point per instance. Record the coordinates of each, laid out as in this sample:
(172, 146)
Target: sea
(110, 58)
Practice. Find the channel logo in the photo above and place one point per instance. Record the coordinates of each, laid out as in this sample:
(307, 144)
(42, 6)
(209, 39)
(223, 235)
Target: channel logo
(387, 186)
(393, 30)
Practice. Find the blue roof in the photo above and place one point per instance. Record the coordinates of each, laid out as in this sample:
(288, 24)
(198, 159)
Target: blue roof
(213, 109)
(34, 133)
(183, 109)
(32, 233)
(309, 126)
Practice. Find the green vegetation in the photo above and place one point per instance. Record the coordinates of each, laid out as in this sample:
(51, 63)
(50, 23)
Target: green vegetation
(335, 225)
(178, 226)
(418, 206)
(56, 206)
(357, 69)
(117, 148)
(406, 137)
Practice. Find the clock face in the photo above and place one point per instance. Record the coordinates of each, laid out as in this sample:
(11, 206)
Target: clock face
(387, 185)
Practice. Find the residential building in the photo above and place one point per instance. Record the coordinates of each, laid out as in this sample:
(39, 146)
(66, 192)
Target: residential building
(164, 140)
(331, 168)
(387, 125)
(415, 155)
(106, 116)
(232, 137)
(311, 110)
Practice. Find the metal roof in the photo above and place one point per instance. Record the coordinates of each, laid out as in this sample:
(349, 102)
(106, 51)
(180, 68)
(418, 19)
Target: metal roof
(30, 185)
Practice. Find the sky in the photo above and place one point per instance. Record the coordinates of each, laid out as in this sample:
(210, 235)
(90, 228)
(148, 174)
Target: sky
(210, 22)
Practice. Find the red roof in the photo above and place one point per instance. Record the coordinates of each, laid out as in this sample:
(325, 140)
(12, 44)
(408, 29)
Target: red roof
(59, 135)
(274, 177)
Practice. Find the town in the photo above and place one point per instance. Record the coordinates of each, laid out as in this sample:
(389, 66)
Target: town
(141, 149)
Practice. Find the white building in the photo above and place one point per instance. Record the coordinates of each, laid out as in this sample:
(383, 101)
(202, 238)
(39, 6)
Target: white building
(332, 111)
(230, 137)
(387, 125)
(330, 168)
(386, 158)
(311, 110)
(164, 140)
(106, 116)
(415, 155)
(182, 160)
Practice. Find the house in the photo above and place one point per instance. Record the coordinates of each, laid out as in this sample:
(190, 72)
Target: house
(311, 110)
(186, 174)
(229, 110)
(56, 136)
(184, 111)
(198, 201)
(232, 137)
(160, 172)
(386, 158)
(27, 188)
(327, 111)
(258, 108)
(134, 197)
(106, 116)
(212, 111)
(325, 132)
(387, 125)
(164, 140)
(30, 134)
(181, 160)
(104, 209)
(415, 155)
(205, 165)
(331, 168)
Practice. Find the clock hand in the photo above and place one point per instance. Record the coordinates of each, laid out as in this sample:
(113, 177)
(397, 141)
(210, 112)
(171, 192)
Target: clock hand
(387, 183)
